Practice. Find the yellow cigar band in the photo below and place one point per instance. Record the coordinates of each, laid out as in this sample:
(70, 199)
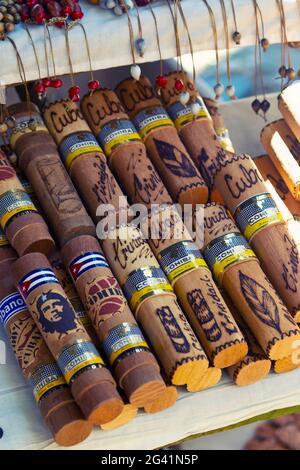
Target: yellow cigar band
(17, 133)
(252, 229)
(224, 139)
(154, 125)
(82, 365)
(220, 267)
(38, 394)
(13, 202)
(148, 291)
(115, 355)
(79, 153)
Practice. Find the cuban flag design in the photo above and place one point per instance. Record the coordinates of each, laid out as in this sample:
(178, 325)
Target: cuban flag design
(86, 261)
(34, 279)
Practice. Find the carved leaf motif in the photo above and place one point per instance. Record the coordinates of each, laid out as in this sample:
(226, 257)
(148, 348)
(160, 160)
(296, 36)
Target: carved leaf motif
(260, 301)
(176, 161)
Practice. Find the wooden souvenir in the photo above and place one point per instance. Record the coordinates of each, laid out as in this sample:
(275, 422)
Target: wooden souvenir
(237, 270)
(82, 156)
(154, 305)
(247, 197)
(131, 360)
(196, 132)
(168, 154)
(255, 366)
(279, 191)
(91, 383)
(128, 414)
(287, 104)
(40, 162)
(127, 158)
(19, 218)
(58, 408)
(279, 142)
(167, 399)
(197, 293)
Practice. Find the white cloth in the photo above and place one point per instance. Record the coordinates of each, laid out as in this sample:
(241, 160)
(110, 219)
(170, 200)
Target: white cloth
(108, 36)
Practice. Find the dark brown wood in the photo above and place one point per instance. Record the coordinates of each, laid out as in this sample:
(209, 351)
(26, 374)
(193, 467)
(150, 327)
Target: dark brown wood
(40, 162)
(91, 384)
(58, 408)
(19, 218)
(133, 364)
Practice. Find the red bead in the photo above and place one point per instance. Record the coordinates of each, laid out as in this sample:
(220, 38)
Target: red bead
(93, 85)
(31, 3)
(60, 24)
(179, 85)
(24, 16)
(75, 98)
(39, 18)
(74, 91)
(67, 10)
(56, 83)
(46, 82)
(161, 81)
(39, 88)
(77, 15)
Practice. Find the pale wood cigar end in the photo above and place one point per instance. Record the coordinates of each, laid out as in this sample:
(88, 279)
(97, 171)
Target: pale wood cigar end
(165, 400)
(283, 347)
(128, 414)
(252, 372)
(284, 365)
(149, 390)
(184, 372)
(106, 411)
(73, 433)
(209, 379)
(230, 355)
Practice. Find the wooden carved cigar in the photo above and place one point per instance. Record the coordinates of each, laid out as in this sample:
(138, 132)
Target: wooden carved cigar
(255, 366)
(167, 399)
(19, 219)
(198, 295)
(40, 162)
(128, 414)
(168, 154)
(91, 383)
(134, 366)
(65, 280)
(127, 157)
(210, 378)
(260, 221)
(237, 270)
(219, 125)
(57, 406)
(196, 132)
(277, 139)
(82, 156)
(288, 206)
(154, 304)
(287, 104)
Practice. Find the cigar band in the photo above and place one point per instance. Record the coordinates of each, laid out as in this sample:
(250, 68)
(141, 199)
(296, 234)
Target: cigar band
(123, 340)
(256, 213)
(22, 127)
(225, 251)
(12, 203)
(182, 114)
(151, 118)
(76, 357)
(11, 305)
(44, 378)
(116, 133)
(3, 239)
(143, 283)
(179, 259)
(224, 139)
(34, 279)
(85, 262)
(77, 145)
